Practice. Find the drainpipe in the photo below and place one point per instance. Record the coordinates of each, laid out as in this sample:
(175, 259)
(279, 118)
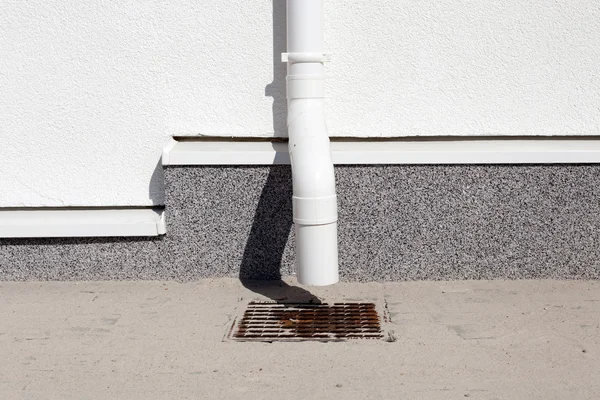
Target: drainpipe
(314, 201)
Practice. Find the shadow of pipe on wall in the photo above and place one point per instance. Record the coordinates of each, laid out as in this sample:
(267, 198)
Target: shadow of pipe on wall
(276, 89)
(260, 270)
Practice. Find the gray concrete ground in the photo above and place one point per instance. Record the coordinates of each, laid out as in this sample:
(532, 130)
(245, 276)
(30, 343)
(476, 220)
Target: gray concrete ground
(164, 340)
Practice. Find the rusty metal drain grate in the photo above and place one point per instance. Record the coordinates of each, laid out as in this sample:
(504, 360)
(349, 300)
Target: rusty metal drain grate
(299, 322)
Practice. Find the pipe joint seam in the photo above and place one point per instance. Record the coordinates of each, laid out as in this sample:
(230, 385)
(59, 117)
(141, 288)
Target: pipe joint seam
(315, 211)
(305, 87)
(305, 57)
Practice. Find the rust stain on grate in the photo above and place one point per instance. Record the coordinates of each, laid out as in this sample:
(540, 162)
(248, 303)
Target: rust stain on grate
(264, 321)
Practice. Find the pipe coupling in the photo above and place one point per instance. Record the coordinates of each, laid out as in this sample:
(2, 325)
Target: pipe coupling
(315, 211)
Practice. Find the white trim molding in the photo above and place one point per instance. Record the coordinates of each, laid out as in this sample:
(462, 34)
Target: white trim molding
(463, 151)
(73, 222)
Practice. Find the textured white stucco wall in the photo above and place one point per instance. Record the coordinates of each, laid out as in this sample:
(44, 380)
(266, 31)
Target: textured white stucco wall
(90, 91)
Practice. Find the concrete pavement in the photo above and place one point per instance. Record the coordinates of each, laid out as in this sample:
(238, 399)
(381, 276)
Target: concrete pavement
(164, 340)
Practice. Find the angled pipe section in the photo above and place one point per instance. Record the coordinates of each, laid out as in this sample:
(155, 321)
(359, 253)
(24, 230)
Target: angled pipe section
(314, 201)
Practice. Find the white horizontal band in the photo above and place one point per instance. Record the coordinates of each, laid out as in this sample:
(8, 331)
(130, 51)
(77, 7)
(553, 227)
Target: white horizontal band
(73, 222)
(488, 151)
(315, 211)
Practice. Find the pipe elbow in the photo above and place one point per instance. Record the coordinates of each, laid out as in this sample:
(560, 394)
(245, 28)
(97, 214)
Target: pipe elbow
(314, 200)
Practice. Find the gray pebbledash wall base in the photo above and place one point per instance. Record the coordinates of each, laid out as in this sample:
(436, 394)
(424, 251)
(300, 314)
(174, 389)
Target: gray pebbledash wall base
(395, 223)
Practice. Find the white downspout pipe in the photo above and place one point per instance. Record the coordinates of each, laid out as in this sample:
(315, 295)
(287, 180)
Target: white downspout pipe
(314, 201)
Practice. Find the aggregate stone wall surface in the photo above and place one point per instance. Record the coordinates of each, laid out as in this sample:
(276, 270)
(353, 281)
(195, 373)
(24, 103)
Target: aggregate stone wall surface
(395, 223)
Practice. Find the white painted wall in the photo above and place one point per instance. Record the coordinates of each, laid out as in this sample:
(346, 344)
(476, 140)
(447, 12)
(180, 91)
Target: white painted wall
(90, 91)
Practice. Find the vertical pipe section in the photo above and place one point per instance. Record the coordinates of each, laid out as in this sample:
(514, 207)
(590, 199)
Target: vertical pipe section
(314, 201)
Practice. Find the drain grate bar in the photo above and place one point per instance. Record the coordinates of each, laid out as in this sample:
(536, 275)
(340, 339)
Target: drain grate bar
(321, 322)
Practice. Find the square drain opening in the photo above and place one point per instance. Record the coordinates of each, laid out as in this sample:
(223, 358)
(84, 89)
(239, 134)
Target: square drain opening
(268, 322)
